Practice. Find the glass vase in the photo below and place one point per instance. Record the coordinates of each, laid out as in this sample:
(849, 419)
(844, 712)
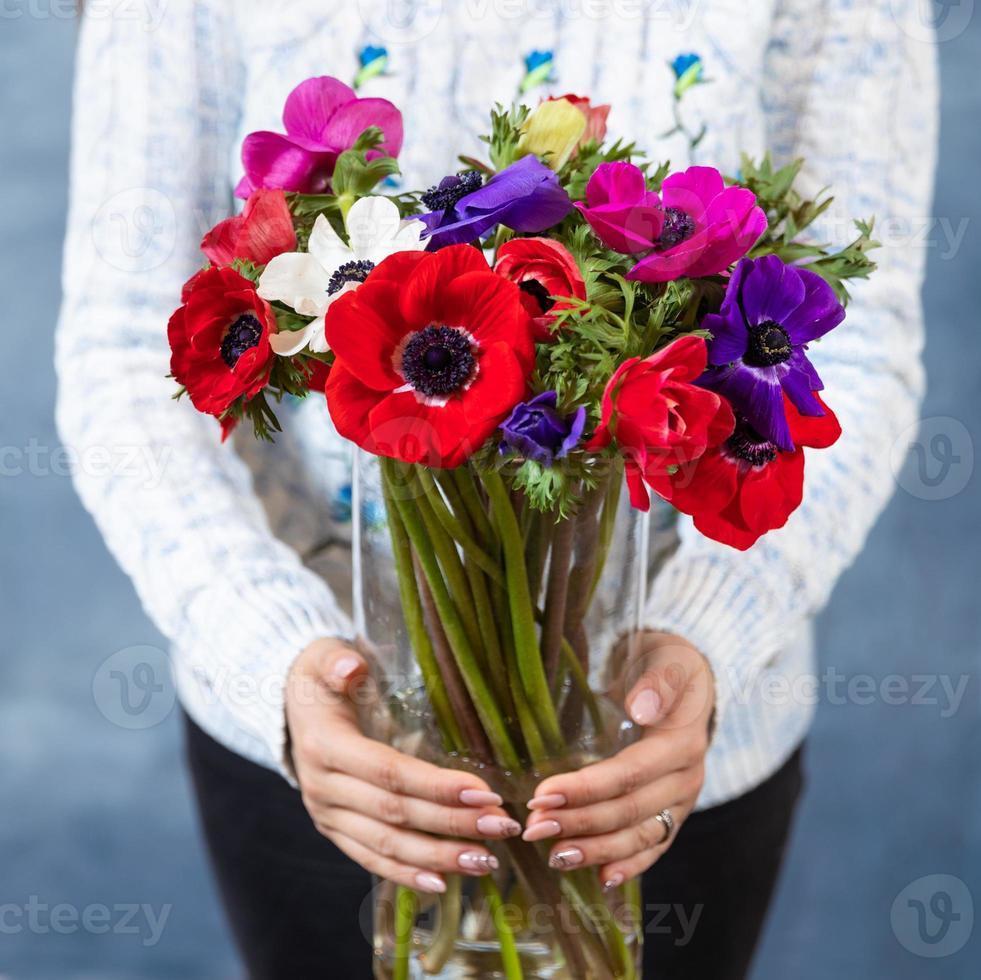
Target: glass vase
(496, 632)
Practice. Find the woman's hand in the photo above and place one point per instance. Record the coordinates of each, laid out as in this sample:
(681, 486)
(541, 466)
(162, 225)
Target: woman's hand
(384, 809)
(606, 814)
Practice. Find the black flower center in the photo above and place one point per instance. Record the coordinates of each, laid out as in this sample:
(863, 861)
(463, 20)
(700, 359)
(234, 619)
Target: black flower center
(769, 344)
(241, 336)
(679, 226)
(747, 445)
(451, 189)
(538, 292)
(438, 360)
(355, 271)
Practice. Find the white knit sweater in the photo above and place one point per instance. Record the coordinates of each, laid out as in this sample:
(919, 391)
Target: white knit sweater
(213, 536)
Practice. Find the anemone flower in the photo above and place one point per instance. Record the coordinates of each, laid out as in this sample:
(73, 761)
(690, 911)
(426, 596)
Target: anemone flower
(757, 352)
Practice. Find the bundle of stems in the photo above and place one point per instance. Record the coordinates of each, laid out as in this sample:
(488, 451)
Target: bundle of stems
(506, 675)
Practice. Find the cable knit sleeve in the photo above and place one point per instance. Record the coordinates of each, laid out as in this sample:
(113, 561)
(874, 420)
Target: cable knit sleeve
(155, 110)
(852, 88)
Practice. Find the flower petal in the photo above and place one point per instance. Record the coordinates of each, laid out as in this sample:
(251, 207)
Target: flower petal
(286, 343)
(363, 329)
(327, 247)
(817, 313)
(312, 104)
(772, 290)
(353, 118)
(296, 279)
(371, 222)
(421, 297)
(692, 190)
(274, 161)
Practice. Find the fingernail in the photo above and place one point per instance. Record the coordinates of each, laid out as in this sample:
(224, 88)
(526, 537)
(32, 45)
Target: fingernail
(539, 831)
(474, 861)
(614, 881)
(345, 667)
(478, 797)
(498, 826)
(552, 801)
(568, 857)
(645, 708)
(427, 882)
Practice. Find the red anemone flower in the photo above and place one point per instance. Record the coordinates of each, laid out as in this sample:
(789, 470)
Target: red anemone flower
(542, 268)
(658, 417)
(219, 340)
(263, 230)
(431, 353)
(746, 487)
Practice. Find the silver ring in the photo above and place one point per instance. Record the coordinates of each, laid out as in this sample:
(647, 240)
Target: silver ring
(667, 821)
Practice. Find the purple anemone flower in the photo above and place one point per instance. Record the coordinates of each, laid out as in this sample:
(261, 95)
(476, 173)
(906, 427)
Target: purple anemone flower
(323, 118)
(537, 431)
(525, 197)
(757, 353)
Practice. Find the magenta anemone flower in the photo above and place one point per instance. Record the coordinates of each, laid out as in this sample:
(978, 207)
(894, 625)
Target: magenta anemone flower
(707, 226)
(623, 213)
(757, 352)
(323, 118)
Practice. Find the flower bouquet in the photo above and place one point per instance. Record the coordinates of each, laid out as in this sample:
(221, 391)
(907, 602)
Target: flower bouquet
(510, 350)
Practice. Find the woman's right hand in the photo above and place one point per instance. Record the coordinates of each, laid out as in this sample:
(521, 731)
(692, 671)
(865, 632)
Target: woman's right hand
(386, 810)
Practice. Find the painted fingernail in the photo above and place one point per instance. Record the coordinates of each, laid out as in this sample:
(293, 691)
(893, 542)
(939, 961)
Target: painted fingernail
(614, 881)
(568, 857)
(490, 826)
(474, 861)
(344, 667)
(540, 831)
(551, 801)
(427, 882)
(478, 797)
(645, 708)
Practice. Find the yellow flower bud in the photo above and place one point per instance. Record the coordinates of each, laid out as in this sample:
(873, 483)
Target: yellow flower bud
(552, 132)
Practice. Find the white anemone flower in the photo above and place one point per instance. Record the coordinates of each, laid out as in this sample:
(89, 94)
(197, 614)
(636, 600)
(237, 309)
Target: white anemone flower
(309, 282)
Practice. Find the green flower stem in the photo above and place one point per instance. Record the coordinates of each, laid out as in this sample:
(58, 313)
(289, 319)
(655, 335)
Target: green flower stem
(510, 959)
(584, 890)
(563, 534)
(540, 882)
(527, 721)
(474, 743)
(473, 568)
(487, 710)
(454, 575)
(581, 681)
(405, 917)
(416, 626)
(607, 525)
(447, 927)
(463, 478)
(536, 551)
(471, 549)
(530, 666)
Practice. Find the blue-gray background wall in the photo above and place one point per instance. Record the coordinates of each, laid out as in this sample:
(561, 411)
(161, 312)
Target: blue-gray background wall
(96, 813)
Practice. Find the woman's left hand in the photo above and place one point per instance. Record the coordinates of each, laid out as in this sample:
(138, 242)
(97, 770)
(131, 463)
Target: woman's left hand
(606, 813)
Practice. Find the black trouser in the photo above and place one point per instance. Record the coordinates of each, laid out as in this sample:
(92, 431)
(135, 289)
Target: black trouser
(298, 908)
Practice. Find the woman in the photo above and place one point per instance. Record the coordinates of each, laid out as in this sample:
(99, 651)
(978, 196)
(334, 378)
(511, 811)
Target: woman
(227, 548)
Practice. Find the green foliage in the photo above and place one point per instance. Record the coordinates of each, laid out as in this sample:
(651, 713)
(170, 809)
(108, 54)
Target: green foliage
(505, 132)
(789, 214)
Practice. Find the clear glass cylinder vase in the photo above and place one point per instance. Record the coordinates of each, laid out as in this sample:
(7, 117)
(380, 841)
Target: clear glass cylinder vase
(497, 634)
